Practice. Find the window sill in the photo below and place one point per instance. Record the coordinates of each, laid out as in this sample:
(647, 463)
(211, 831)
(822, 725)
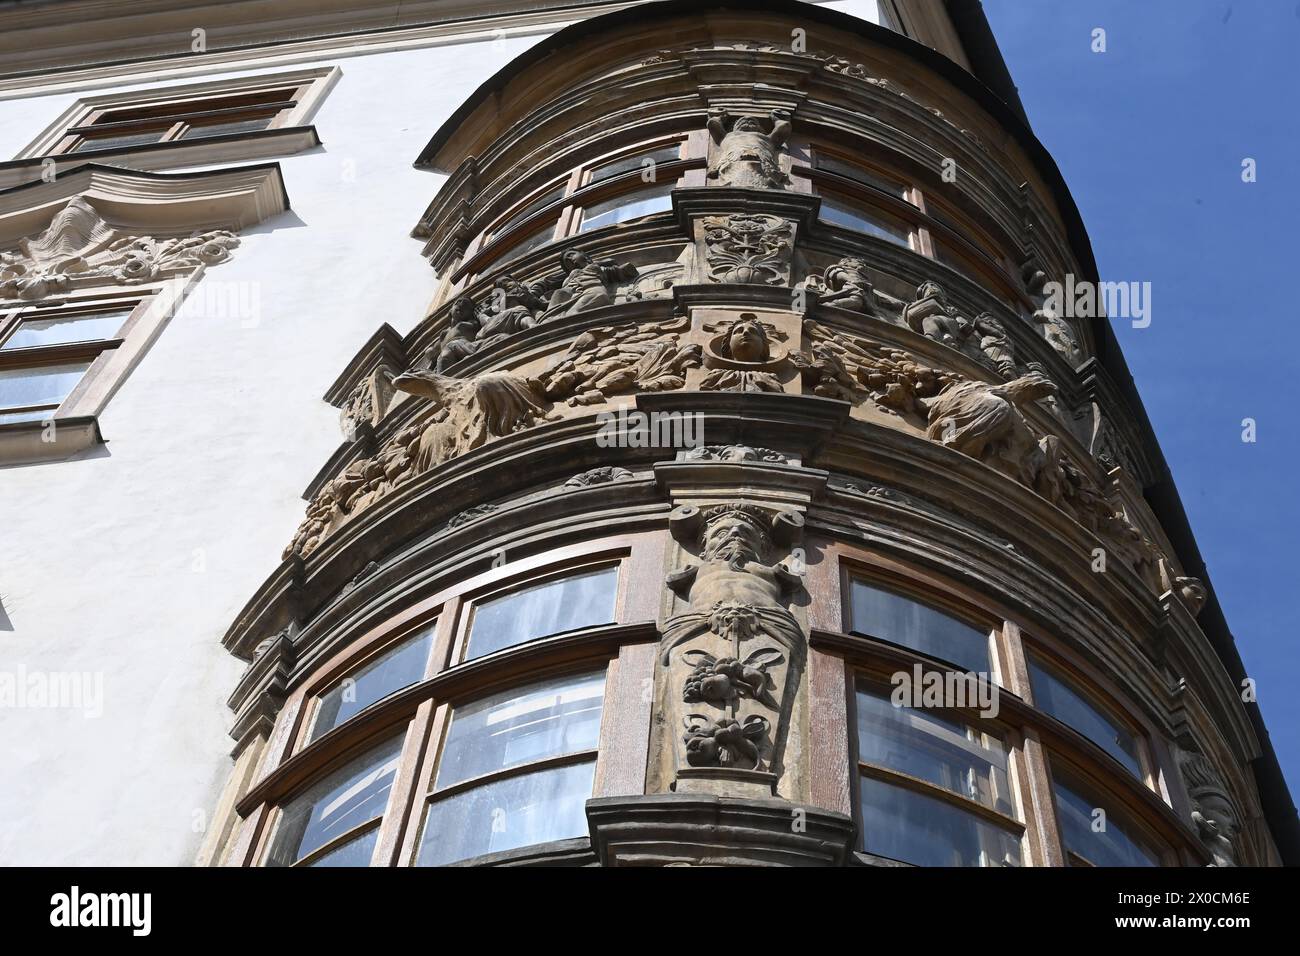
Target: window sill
(24, 443)
(209, 151)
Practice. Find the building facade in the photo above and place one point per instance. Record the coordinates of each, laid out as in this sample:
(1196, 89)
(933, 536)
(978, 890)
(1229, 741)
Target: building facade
(674, 390)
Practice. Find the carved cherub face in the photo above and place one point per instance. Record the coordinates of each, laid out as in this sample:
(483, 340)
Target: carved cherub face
(732, 539)
(747, 341)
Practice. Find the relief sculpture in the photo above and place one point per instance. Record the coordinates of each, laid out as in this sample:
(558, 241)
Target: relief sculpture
(734, 656)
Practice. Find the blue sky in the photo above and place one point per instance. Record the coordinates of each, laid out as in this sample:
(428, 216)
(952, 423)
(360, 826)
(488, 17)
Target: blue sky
(1150, 137)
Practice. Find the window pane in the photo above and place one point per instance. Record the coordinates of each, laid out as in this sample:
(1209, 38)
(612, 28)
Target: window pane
(664, 154)
(865, 176)
(924, 744)
(545, 199)
(899, 620)
(534, 240)
(231, 126)
(37, 415)
(839, 213)
(355, 852)
(59, 330)
(1053, 695)
(627, 207)
(1109, 847)
(41, 385)
(518, 811)
(584, 600)
(117, 142)
(915, 828)
(522, 725)
(345, 799)
(393, 670)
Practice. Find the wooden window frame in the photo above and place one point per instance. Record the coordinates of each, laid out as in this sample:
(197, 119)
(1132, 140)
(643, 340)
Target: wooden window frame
(427, 792)
(300, 94)
(625, 650)
(1007, 733)
(1062, 770)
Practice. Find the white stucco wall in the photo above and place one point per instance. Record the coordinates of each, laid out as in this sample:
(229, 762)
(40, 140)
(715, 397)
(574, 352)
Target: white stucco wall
(128, 564)
(131, 562)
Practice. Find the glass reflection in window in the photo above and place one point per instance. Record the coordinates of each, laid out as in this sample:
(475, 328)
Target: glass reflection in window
(46, 385)
(628, 206)
(921, 743)
(583, 600)
(512, 731)
(396, 668)
(626, 164)
(1056, 697)
(351, 796)
(1096, 836)
(901, 824)
(891, 617)
(838, 212)
(62, 330)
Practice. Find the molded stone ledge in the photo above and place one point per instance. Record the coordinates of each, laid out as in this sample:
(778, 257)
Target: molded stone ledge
(703, 830)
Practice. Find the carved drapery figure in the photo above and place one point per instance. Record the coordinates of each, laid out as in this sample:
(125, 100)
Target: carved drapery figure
(460, 340)
(79, 245)
(748, 250)
(587, 283)
(1216, 819)
(933, 316)
(741, 358)
(748, 151)
(984, 422)
(737, 647)
(848, 286)
(469, 411)
(1054, 328)
(852, 368)
(995, 345)
(369, 401)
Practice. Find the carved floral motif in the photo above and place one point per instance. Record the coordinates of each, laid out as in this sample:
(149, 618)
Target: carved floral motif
(748, 249)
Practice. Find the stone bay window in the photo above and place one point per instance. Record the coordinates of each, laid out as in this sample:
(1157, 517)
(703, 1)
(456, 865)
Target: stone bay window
(494, 639)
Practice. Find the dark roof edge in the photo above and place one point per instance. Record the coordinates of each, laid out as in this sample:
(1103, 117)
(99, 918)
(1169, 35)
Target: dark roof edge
(994, 91)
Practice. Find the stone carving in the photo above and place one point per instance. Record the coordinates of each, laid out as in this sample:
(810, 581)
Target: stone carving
(724, 680)
(587, 283)
(598, 476)
(748, 151)
(369, 401)
(984, 422)
(733, 454)
(1054, 328)
(471, 514)
(79, 247)
(852, 368)
(724, 742)
(848, 286)
(608, 361)
(468, 412)
(738, 629)
(748, 249)
(933, 316)
(995, 345)
(741, 358)
(1216, 819)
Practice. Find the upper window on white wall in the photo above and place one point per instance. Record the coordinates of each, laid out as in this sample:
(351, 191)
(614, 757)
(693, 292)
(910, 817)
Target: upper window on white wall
(220, 120)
